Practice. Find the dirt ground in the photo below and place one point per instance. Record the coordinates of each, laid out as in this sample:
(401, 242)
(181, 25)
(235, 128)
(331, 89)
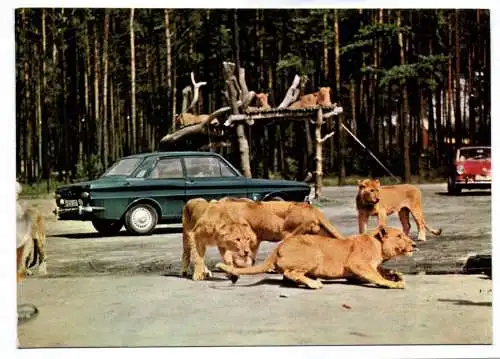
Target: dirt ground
(124, 290)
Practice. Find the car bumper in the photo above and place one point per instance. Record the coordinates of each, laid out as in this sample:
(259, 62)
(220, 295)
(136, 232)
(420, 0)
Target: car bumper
(80, 213)
(472, 183)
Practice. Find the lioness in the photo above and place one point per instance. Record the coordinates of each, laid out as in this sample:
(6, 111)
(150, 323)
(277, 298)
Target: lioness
(33, 248)
(274, 220)
(262, 100)
(304, 257)
(206, 224)
(321, 97)
(373, 199)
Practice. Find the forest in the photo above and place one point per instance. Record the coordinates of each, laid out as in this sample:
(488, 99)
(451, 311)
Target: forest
(94, 85)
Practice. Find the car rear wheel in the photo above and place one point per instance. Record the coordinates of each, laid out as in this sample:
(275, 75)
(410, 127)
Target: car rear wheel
(107, 227)
(141, 219)
(276, 198)
(452, 186)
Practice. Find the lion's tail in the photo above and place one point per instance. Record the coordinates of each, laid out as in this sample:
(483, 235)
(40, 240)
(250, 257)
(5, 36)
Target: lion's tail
(267, 265)
(436, 232)
(330, 228)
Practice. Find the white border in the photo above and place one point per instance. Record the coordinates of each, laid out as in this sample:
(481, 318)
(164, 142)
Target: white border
(7, 191)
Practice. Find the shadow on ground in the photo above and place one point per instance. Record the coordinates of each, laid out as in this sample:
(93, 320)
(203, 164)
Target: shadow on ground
(465, 302)
(466, 194)
(93, 235)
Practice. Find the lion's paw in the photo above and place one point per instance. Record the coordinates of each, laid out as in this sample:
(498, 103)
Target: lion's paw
(315, 284)
(198, 275)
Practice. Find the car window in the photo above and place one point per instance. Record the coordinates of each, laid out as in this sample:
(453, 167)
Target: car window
(123, 167)
(474, 154)
(206, 167)
(167, 168)
(226, 171)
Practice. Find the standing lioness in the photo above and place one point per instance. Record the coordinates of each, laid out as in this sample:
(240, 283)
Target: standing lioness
(381, 201)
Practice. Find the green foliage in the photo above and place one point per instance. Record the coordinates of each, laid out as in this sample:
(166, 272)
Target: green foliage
(91, 168)
(295, 63)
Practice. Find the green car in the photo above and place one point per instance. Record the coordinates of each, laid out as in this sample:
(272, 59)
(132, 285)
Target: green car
(143, 190)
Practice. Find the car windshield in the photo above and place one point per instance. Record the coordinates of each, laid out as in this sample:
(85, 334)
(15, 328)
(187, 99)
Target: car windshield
(474, 154)
(123, 167)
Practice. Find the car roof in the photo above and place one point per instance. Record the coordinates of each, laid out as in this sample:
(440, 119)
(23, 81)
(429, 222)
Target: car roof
(173, 154)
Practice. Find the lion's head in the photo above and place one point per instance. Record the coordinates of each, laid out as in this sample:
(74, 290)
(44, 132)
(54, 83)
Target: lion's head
(324, 96)
(262, 100)
(394, 242)
(241, 241)
(369, 192)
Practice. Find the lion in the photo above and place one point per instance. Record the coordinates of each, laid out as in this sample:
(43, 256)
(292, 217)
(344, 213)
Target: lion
(373, 199)
(207, 224)
(262, 100)
(305, 259)
(33, 249)
(272, 221)
(321, 97)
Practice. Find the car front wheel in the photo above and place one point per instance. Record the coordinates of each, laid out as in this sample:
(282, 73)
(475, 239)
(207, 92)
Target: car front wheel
(107, 227)
(452, 186)
(141, 219)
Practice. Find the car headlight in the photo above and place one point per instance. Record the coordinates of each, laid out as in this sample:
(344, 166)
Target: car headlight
(61, 201)
(460, 169)
(85, 195)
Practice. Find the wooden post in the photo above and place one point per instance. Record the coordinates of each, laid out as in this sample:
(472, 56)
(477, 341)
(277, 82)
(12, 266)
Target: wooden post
(319, 155)
(240, 130)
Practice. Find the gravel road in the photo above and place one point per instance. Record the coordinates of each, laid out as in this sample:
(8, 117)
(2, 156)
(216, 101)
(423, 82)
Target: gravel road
(123, 290)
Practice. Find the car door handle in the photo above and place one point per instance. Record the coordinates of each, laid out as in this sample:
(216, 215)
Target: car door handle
(190, 182)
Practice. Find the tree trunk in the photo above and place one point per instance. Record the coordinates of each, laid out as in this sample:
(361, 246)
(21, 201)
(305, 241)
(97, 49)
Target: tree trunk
(325, 41)
(341, 135)
(170, 93)
(112, 132)
(45, 119)
(405, 115)
(458, 107)
(236, 40)
(97, 120)
(450, 82)
(133, 145)
(105, 141)
(88, 107)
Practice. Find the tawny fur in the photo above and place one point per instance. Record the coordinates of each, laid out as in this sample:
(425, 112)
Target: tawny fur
(373, 199)
(306, 259)
(321, 97)
(262, 100)
(206, 224)
(34, 249)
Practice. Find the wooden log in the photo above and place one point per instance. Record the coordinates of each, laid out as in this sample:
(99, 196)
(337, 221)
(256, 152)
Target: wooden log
(292, 94)
(240, 130)
(198, 128)
(319, 155)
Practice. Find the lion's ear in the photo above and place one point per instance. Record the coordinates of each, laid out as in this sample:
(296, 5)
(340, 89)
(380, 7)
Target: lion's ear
(361, 183)
(377, 181)
(381, 232)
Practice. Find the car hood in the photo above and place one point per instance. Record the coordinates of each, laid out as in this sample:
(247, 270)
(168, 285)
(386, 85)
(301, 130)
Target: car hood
(102, 182)
(476, 167)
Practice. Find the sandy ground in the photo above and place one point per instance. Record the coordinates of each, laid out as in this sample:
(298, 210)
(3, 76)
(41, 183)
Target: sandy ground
(123, 290)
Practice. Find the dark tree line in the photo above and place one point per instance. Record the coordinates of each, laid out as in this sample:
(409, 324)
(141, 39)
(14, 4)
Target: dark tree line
(93, 85)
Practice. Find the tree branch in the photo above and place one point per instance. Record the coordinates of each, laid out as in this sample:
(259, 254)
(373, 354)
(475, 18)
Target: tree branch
(292, 94)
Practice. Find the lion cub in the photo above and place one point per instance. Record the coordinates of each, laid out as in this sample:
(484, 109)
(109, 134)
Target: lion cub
(305, 258)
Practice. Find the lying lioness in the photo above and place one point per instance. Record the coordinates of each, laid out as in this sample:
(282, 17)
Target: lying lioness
(206, 224)
(373, 199)
(304, 257)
